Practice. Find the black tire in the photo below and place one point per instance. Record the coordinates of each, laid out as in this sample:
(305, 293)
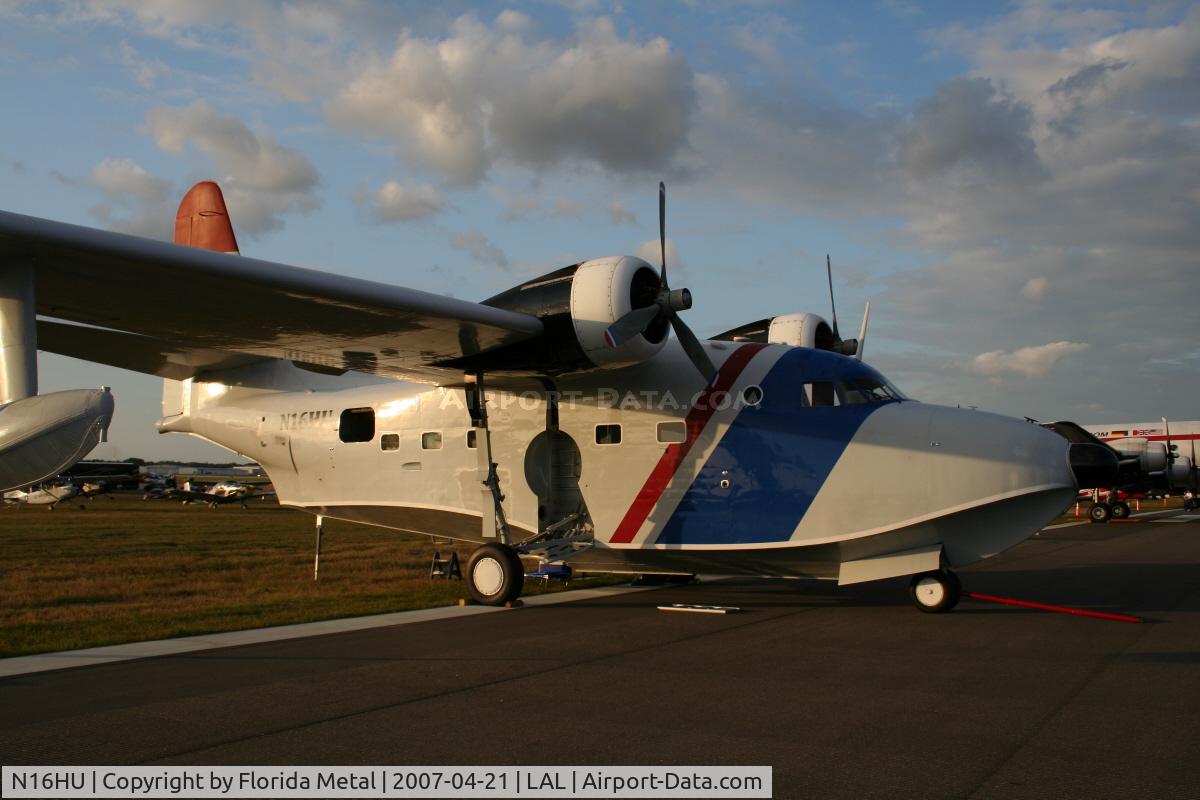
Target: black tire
(1120, 509)
(681, 580)
(935, 592)
(494, 575)
(1100, 512)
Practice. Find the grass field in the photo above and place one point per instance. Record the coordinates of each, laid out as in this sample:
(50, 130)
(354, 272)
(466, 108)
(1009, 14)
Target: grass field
(121, 569)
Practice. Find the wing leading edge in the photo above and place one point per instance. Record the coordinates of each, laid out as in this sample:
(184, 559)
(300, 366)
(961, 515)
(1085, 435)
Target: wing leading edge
(199, 301)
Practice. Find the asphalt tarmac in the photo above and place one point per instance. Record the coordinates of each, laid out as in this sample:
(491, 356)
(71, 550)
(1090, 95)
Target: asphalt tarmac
(845, 692)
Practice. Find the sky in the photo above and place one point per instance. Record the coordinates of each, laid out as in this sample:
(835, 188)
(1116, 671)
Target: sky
(1014, 186)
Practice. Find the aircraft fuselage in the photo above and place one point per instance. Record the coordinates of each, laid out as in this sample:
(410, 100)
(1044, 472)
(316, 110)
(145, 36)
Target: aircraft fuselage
(794, 463)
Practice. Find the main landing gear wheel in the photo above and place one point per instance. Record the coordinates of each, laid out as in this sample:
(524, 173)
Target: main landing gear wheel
(935, 592)
(495, 575)
(1100, 512)
(1120, 509)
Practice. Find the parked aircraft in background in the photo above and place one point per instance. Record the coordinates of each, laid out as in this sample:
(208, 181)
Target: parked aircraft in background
(217, 494)
(1154, 458)
(45, 496)
(558, 420)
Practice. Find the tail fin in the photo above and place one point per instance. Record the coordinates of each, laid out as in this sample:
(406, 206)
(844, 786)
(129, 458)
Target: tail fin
(202, 220)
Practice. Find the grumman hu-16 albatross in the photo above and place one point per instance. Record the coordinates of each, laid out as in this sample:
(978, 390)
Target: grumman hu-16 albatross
(558, 420)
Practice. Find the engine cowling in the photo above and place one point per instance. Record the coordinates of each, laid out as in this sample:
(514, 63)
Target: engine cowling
(798, 330)
(603, 291)
(1180, 471)
(576, 305)
(1151, 456)
(801, 330)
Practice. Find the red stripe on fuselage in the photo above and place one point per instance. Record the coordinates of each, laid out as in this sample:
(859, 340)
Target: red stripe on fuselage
(674, 455)
(1157, 437)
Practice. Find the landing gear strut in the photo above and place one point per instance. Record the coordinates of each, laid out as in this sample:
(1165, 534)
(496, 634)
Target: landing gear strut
(495, 575)
(935, 592)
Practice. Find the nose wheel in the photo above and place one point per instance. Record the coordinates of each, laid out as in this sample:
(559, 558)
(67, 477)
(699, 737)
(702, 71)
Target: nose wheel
(935, 592)
(495, 575)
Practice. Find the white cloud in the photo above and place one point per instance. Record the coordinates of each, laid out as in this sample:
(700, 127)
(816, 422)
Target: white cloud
(966, 125)
(261, 178)
(481, 249)
(455, 105)
(1035, 288)
(396, 203)
(135, 201)
(145, 71)
(1031, 362)
(619, 215)
(125, 177)
(566, 207)
(652, 252)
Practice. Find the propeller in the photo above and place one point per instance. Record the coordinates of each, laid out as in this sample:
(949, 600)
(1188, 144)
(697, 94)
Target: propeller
(862, 332)
(847, 347)
(1170, 453)
(666, 305)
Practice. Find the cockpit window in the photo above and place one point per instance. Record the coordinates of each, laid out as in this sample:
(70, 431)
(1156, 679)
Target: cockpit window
(857, 391)
(877, 390)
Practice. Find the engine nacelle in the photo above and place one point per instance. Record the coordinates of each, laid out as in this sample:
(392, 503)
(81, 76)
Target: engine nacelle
(1151, 456)
(603, 291)
(801, 330)
(1180, 472)
(576, 305)
(797, 330)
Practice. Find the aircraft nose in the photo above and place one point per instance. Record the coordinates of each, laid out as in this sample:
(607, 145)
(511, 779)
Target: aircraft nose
(989, 454)
(1093, 465)
(975, 483)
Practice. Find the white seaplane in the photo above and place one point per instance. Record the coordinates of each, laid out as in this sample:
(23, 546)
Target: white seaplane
(558, 420)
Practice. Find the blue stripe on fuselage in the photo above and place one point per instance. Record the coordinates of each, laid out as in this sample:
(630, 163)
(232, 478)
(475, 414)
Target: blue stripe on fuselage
(776, 457)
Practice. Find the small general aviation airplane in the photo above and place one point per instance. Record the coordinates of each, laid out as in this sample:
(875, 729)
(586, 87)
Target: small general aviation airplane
(218, 494)
(558, 420)
(42, 496)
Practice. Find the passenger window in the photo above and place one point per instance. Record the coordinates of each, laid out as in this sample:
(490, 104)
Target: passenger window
(357, 425)
(672, 431)
(471, 438)
(608, 434)
(389, 441)
(431, 441)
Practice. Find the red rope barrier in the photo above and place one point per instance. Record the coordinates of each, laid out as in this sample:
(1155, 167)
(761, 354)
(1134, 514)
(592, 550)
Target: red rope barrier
(1009, 601)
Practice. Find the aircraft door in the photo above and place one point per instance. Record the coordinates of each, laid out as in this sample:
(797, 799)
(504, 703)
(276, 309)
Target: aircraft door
(553, 465)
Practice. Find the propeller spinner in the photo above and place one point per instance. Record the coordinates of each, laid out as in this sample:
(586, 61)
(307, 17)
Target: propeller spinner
(665, 306)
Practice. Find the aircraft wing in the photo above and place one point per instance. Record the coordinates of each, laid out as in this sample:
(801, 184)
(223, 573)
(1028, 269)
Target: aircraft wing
(176, 311)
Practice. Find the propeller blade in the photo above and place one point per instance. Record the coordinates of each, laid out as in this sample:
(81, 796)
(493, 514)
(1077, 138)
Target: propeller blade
(832, 305)
(862, 332)
(630, 325)
(694, 350)
(662, 230)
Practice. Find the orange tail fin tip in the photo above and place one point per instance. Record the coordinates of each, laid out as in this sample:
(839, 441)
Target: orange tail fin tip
(203, 221)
